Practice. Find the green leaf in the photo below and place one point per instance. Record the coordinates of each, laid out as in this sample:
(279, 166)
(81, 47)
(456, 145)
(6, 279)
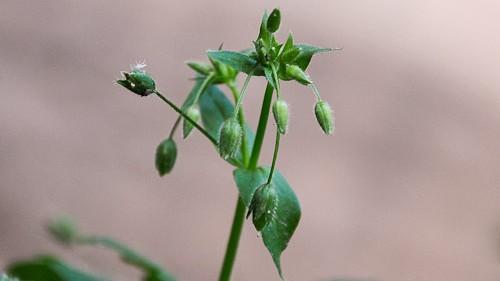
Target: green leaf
(236, 60)
(48, 268)
(215, 108)
(306, 53)
(278, 232)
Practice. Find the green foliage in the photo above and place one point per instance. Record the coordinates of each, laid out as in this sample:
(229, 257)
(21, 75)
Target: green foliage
(48, 268)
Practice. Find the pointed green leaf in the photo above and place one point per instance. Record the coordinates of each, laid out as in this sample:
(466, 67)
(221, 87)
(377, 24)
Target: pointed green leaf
(215, 108)
(48, 268)
(278, 232)
(306, 53)
(239, 61)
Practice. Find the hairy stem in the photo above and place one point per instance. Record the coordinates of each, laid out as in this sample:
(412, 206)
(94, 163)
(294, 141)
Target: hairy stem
(239, 214)
(178, 110)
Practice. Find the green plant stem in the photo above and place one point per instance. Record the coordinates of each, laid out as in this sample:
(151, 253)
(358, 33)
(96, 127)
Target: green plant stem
(174, 128)
(234, 240)
(202, 88)
(275, 156)
(239, 214)
(127, 255)
(261, 128)
(241, 119)
(178, 110)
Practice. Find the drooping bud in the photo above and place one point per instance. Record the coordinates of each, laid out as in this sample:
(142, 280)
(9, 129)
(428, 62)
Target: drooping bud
(263, 205)
(200, 67)
(273, 21)
(166, 154)
(63, 230)
(187, 127)
(138, 81)
(324, 115)
(296, 73)
(230, 138)
(280, 112)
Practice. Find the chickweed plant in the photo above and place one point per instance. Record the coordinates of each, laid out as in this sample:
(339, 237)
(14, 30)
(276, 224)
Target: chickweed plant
(264, 194)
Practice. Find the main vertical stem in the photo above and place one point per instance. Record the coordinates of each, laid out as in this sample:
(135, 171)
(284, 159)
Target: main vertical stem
(239, 214)
(261, 128)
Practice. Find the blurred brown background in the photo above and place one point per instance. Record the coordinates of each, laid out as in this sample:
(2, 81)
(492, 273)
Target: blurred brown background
(407, 189)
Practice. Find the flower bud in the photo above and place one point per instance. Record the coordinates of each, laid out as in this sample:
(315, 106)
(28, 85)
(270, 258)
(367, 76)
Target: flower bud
(166, 154)
(200, 67)
(230, 138)
(63, 230)
(296, 73)
(263, 205)
(280, 112)
(324, 115)
(138, 81)
(187, 127)
(273, 21)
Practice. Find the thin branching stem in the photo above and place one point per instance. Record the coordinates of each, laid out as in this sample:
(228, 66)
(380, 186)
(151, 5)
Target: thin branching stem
(184, 115)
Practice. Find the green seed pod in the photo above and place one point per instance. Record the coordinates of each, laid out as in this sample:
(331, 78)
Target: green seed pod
(138, 81)
(296, 73)
(324, 115)
(187, 127)
(280, 112)
(230, 138)
(166, 154)
(273, 21)
(63, 230)
(200, 67)
(263, 205)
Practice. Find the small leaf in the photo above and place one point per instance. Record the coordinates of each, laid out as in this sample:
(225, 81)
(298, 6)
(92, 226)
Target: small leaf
(48, 268)
(236, 60)
(277, 233)
(215, 108)
(306, 53)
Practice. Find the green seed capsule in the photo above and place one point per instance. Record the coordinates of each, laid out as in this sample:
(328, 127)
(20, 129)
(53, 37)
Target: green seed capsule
(187, 127)
(273, 21)
(296, 73)
(138, 81)
(263, 205)
(200, 67)
(324, 115)
(230, 138)
(280, 112)
(166, 154)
